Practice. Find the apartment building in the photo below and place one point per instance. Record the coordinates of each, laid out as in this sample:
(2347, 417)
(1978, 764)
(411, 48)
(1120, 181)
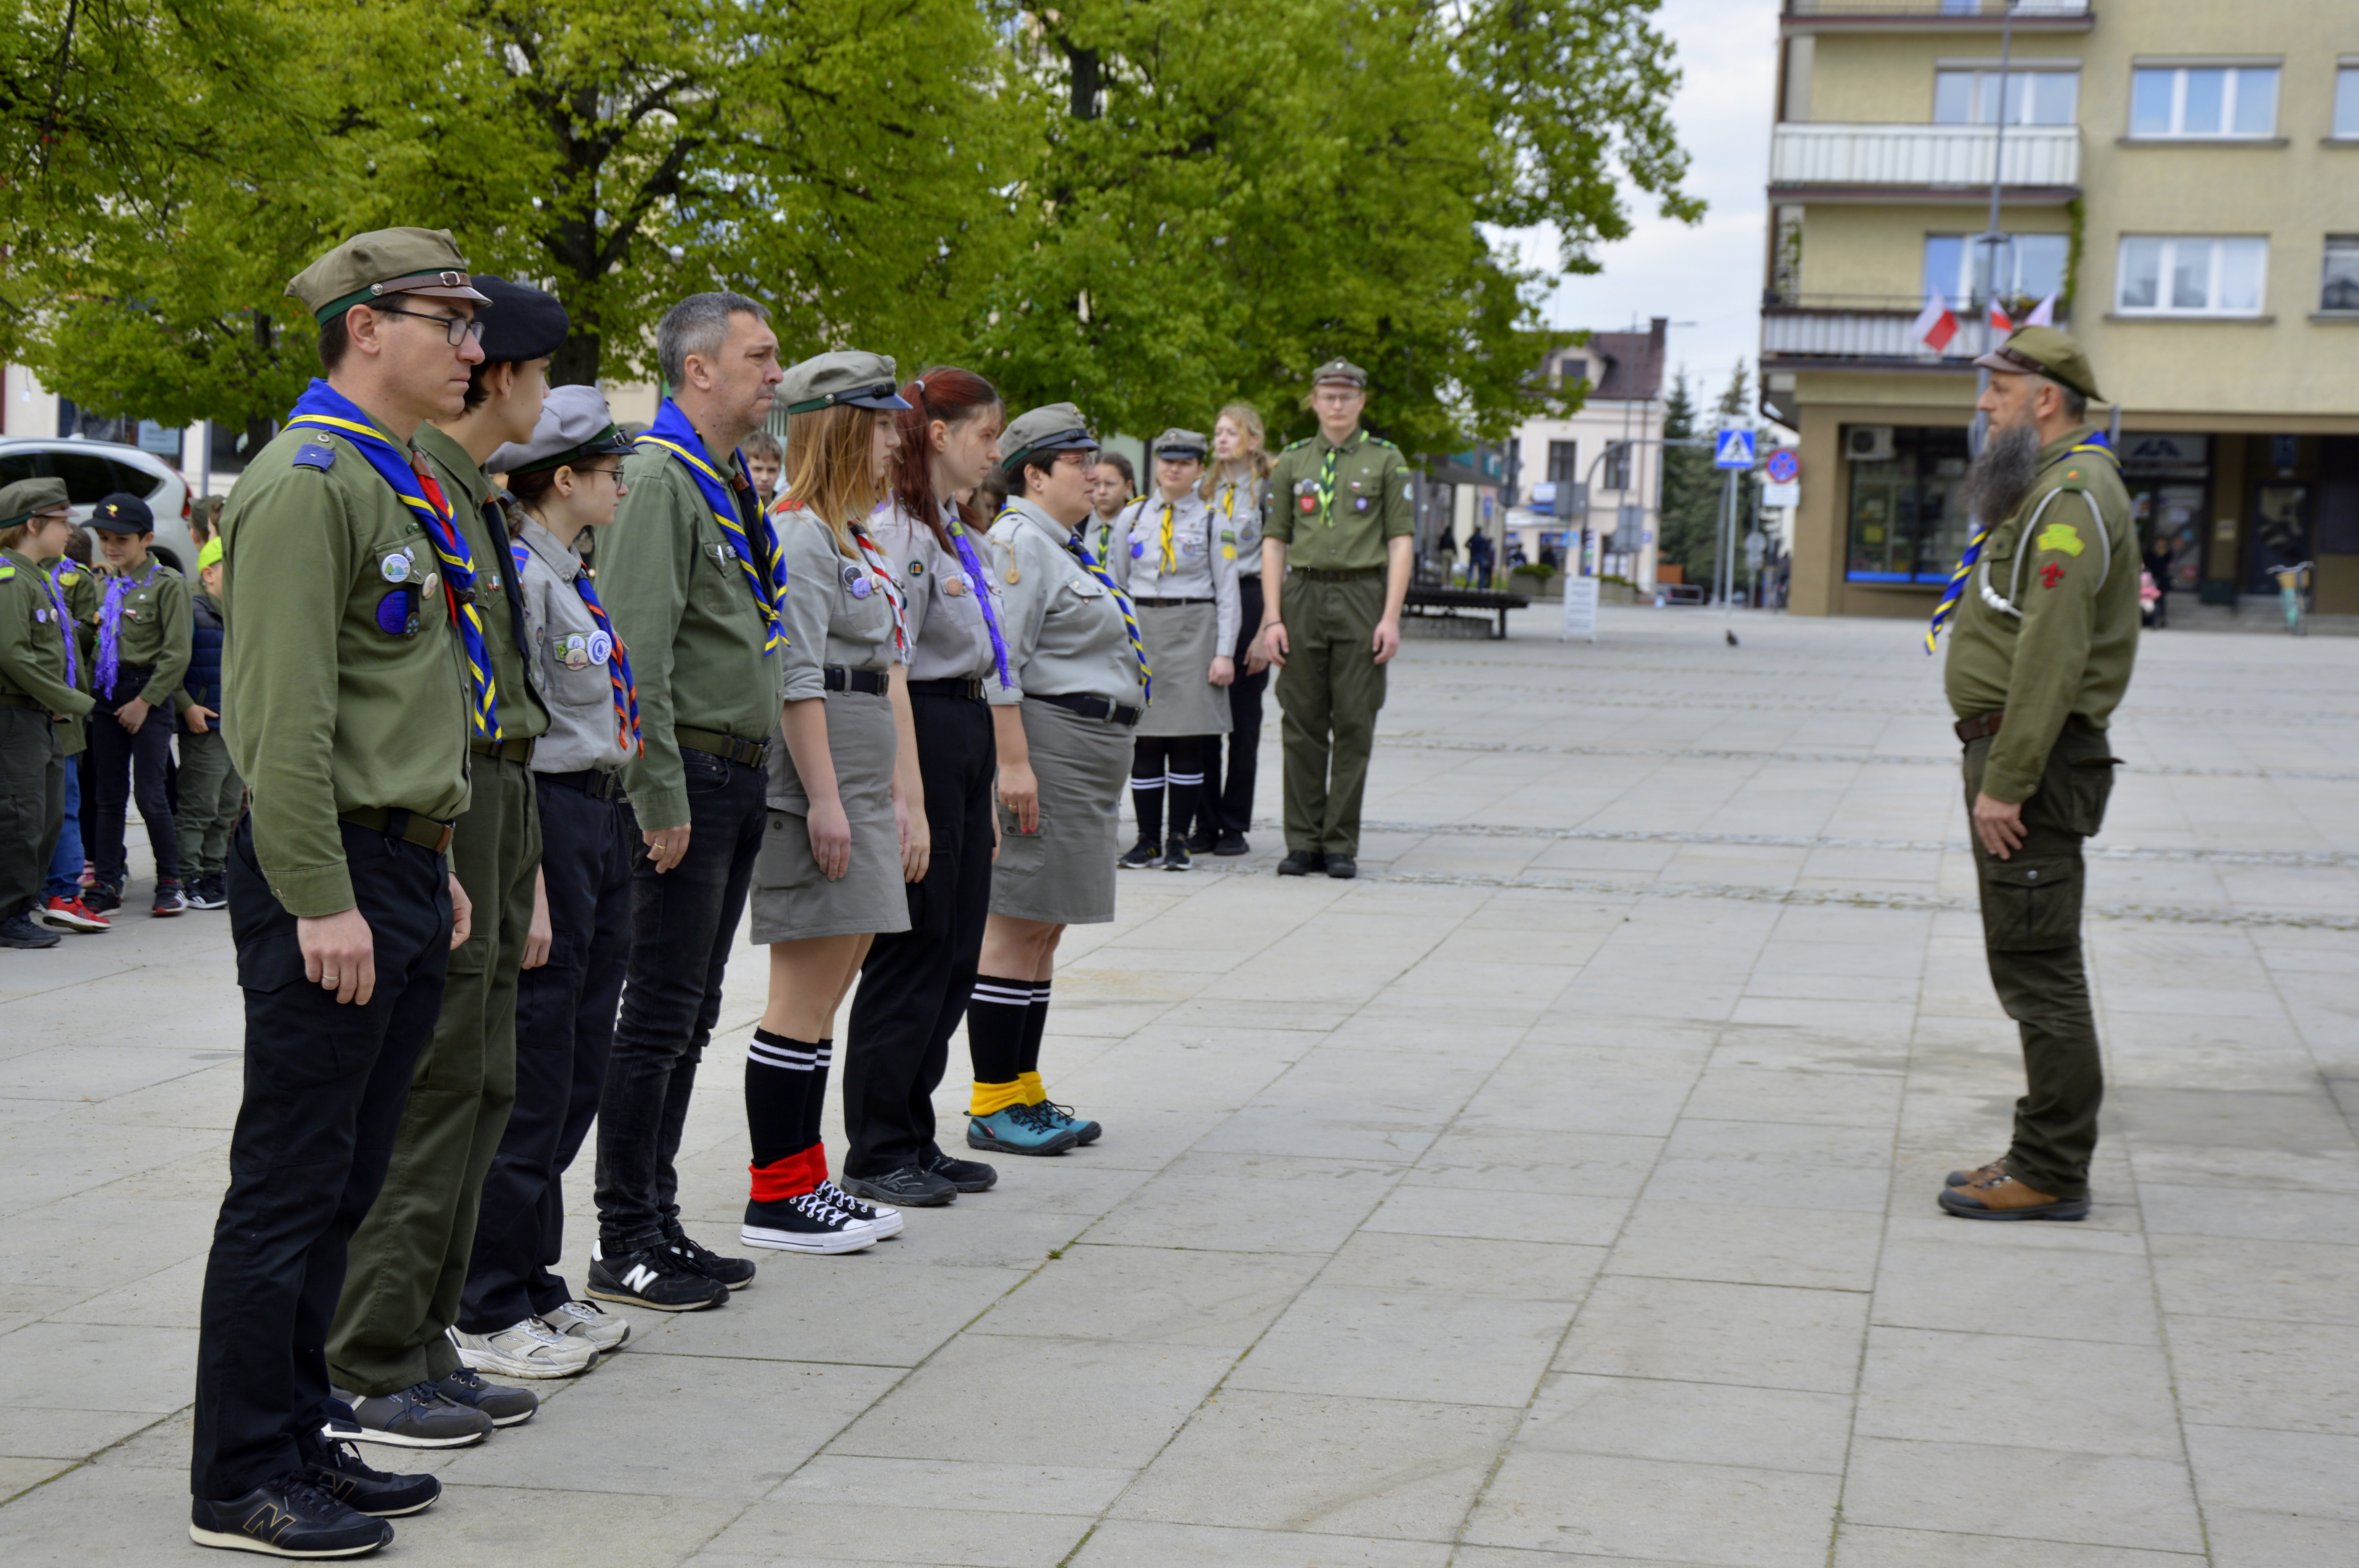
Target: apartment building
(2181, 177)
(1612, 444)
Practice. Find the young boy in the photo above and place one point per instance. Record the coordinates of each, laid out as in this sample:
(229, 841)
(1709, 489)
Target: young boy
(60, 907)
(210, 790)
(39, 693)
(142, 653)
(766, 460)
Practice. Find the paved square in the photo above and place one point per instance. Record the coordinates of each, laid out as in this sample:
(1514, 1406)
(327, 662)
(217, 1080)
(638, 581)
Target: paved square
(1562, 1192)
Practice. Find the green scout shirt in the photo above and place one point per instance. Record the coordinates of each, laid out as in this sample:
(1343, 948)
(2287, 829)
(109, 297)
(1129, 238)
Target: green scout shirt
(1340, 523)
(468, 488)
(2048, 625)
(80, 585)
(32, 643)
(156, 629)
(325, 710)
(680, 603)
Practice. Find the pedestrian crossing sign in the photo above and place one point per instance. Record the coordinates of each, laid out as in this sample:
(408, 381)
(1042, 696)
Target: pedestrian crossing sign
(1732, 449)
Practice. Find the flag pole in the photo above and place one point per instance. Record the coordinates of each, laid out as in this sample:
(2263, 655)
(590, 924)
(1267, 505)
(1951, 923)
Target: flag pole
(1980, 428)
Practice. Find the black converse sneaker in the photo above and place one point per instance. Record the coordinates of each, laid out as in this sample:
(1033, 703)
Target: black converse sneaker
(883, 1219)
(736, 1273)
(805, 1223)
(657, 1276)
(288, 1516)
(341, 1472)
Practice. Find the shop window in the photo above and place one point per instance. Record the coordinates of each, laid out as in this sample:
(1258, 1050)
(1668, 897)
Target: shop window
(2210, 101)
(2030, 266)
(1904, 525)
(2190, 275)
(2347, 104)
(2033, 97)
(2341, 291)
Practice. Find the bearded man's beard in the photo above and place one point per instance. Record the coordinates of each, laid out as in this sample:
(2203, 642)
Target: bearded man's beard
(1998, 479)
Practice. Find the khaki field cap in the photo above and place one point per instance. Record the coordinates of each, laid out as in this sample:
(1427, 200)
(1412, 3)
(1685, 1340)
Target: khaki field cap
(575, 423)
(1341, 370)
(1056, 428)
(1182, 443)
(2044, 351)
(364, 268)
(847, 375)
(19, 500)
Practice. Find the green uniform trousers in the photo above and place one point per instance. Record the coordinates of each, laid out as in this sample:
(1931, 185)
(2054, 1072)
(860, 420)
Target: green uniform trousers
(32, 804)
(407, 1267)
(211, 797)
(1330, 688)
(2031, 934)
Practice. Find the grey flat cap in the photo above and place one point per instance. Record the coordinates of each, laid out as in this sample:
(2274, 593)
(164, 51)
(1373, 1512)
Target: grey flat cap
(1182, 443)
(575, 423)
(847, 375)
(1053, 427)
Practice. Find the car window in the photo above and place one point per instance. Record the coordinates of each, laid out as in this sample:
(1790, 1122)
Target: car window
(15, 466)
(133, 480)
(89, 479)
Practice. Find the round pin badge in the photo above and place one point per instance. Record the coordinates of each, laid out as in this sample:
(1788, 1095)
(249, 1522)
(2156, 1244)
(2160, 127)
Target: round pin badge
(394, 568)
(602, 647)
(916, 569)
(41, 615)
(577, 652)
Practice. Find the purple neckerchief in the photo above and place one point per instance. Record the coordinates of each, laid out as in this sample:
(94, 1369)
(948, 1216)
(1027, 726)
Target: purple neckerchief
(65, 625)
(966, 547)
(110, 627)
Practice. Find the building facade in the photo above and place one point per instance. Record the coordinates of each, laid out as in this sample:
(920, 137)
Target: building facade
(1612, 444)
(2180, 177)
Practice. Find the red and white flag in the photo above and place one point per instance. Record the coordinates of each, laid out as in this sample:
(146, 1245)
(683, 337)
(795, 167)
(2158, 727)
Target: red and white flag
(2043, 314)
(1936, 324)
(1999, 323)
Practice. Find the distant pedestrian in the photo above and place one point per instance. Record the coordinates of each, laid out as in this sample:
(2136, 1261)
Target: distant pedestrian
(40, 695)
(63, 908)
(1236, 486)
(212, 794)
(1479, 557)
(143, 649)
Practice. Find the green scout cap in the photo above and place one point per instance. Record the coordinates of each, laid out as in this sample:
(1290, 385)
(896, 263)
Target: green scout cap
(1341, 370)
(1055, 427)
(210, 554)
(365, 267)
(2044, 351)
(846, 376)
(19, 500)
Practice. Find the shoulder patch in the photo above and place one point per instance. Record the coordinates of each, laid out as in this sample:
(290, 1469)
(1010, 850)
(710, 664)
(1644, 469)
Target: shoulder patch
(1292, 444)
(315, 455)
(2059, 536)
(7, 570)
(67, 578)
(1380, 441)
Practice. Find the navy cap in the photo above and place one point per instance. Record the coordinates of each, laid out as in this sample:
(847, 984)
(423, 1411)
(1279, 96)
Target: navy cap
(574, 424)
(123, 512)
(520, 323)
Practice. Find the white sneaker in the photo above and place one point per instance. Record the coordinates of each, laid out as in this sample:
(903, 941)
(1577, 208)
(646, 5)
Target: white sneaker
(883, 1219)
(587, 1320)
(526, 1349)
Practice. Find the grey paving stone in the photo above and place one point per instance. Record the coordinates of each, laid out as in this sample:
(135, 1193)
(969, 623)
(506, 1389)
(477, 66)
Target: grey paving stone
(1975, 1489)
(856, 1308)
(1407, 1345)
(2236, 1372)
(1501, 1216)
(1709, 1332)
(1875, 1546)
(2074, 1396)
(1935, 1273)
(851, 1481)
(783, 1531)
(1458, 1265)
(1647, 1508)
(1692, 1423)
(1589, 1164)
(1139, 1544)
(1813, 1249)
(2225, 1277)
(1152, 1294)
(1250, 1202)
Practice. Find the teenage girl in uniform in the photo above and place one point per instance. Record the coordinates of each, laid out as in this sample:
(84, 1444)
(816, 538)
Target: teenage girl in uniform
(1237, 488)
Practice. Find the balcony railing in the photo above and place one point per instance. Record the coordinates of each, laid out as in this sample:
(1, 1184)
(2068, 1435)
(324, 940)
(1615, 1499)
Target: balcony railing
(1924, 156)
(1994, 9)
(1857, 327)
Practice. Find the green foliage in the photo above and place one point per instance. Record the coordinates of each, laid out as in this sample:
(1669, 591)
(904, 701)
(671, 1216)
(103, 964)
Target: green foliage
(1692, 487)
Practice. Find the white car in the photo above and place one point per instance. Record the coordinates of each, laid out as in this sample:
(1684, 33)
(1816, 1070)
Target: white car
(95, 470)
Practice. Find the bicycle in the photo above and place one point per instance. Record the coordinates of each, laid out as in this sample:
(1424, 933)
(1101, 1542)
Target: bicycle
(2292, 581)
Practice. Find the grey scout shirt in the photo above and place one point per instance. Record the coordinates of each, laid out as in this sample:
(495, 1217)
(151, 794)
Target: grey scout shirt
(1065, 632)
(580, 694)
(947, 639)
(837, 612)
(1237, 503)
(1202, 568)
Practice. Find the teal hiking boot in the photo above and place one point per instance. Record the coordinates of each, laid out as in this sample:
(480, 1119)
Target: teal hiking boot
(1020, 1129)
(1062, 1116)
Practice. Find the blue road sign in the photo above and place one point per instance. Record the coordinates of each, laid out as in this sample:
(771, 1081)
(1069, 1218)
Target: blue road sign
(1783, 466)
(1732, 449)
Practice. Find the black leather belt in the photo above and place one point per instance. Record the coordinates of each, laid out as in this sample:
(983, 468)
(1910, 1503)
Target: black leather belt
(425, 832)
(1169, 603)
(970, 689)
(1313, 574)
(1975, 728)
(874, 682)
(505, 750)
(750, 754)
(1104, 707)
(598, 784)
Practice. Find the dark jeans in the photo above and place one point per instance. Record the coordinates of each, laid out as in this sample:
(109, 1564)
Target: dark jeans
(1229, 800)
(128, 764)
(324, 1087)
(32, 804)
(682, 925)
(565, 1026)
(914, 985)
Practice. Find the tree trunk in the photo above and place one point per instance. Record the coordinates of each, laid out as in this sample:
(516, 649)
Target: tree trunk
(575, 363)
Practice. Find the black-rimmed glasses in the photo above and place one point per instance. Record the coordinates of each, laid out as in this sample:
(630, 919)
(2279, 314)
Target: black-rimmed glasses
(456, 330)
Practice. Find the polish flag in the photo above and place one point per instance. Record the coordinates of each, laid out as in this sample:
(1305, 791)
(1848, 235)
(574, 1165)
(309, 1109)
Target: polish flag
(1936, 325)
(2043, 314)
(1999, 323)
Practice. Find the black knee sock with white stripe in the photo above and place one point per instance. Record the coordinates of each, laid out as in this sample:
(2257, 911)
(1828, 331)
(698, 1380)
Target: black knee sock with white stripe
(996, 1011)
(777, 1094)
(1147, 799)
(1036, 1025)
(815, 1103)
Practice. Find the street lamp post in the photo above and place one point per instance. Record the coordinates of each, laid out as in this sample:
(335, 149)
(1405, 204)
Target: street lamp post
(1980, 427)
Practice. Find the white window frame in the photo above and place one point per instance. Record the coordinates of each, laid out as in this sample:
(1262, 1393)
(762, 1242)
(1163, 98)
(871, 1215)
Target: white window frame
(2344, 126)
(2178, 70)
(2161, 308)
(1983, 83)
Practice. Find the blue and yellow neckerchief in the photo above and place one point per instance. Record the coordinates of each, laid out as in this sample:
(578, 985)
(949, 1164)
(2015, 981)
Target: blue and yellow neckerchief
(759, 558)
(1947, 606)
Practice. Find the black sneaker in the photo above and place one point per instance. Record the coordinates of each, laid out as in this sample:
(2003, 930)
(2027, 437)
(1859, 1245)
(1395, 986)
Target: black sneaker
(1301, 863)
(503, 1405)
(911, 1186)
(416, 1417)
(966, 1175)
(1138, 857)
(288, 1516)
(1229, 844)
(736, 1273)
(1200, 841)
(206, 892)
(380, 1494)
(1175, 856)
(24, 931)
(881, 1218)
(805, 1223)
(1343, 868)
(167, 901)
(656, 1278)
(102, 896)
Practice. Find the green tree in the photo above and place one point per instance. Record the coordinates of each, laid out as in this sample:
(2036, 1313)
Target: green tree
(1692, 488)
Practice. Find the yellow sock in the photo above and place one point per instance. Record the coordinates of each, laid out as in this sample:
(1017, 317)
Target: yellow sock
(990, 1098)
(1035, 1091)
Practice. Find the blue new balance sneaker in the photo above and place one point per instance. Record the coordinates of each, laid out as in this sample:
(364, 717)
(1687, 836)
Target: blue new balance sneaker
(1020, 1129)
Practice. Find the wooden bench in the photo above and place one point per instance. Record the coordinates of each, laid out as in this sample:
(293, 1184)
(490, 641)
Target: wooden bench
(1448, 602)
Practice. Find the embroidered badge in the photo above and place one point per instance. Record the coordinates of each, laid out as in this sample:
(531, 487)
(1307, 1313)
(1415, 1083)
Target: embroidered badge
(2051, 574)
(2061, 537)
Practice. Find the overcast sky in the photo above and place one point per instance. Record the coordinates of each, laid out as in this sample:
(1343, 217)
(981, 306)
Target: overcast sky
(1708, 274)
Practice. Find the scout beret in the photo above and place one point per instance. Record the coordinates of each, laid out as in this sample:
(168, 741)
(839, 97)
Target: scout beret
(522, 324)
(19, 500)
(122, 514)
(574, 423)
(1182, 443)
(1054, 427)
(210, 554)
(384, 260)
(847, 375)
(2044, 351)
(1341, 370)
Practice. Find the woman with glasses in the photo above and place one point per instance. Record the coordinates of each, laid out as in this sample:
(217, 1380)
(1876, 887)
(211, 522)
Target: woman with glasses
(1075, 687)
(1237, 487)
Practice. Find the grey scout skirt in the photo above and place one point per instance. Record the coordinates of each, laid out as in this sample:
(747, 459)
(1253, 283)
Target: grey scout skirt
(792, 902)
(1180, 640)
(1064, 873)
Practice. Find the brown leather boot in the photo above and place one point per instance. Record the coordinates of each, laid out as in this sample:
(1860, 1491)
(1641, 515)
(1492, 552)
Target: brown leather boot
(1979, 1173)
(2004, 1197)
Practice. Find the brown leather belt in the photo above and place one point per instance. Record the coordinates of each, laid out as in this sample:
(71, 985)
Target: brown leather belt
(19, 700)
(408, 825)
(505, 750)
(1975, 728)
(1313, 574)
(712, 743)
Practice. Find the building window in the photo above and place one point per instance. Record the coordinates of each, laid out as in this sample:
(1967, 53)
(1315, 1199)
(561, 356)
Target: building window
(1903, 526)
(2204, 100)
(2030, 266)
(1617, 466)
(1570, 371)
(2183, 276)
(2347, 104)
(1564, 462)
(2341, 291)
(2033, 97)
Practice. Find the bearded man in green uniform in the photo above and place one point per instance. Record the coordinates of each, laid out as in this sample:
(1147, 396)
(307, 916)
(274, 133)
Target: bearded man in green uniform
(1342, 512)
(2046, 625)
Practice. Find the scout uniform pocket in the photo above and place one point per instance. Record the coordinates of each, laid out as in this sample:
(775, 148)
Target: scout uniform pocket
(2030, 906)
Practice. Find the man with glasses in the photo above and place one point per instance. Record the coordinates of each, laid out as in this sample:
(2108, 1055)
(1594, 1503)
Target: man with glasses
(391, 1354)
(351, 686)
(1343, 511)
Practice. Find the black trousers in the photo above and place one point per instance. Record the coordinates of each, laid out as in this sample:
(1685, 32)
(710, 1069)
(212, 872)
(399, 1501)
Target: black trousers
(324, 1086)
(126, 764)
(683, 924)
(914, 985)
(564, 1030)
(1229, 798)
(32, 804)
